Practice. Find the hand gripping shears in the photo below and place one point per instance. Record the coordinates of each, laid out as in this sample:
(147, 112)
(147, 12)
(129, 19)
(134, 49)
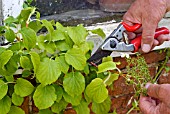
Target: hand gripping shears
(115, 42)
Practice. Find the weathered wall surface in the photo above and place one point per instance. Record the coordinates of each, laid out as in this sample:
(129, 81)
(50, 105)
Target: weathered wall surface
(10, 7)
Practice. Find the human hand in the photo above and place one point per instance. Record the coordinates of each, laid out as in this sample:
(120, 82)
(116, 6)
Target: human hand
(148, 13)
(158, 101)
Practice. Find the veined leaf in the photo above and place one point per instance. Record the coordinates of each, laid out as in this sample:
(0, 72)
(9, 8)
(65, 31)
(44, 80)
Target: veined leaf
(12, 65)
(35, 25)
(3, 89)
(58, 92)
(25, 13)
(74, 83)
(45, 111)
(63, 66)
(10, 35)
(58, 107)
(2, 50)
(58, 35)
(10, 19)
(60, 27)
(44, 96)
(5, 105)
(35, 58)
(62, 45)
(5, 57)
(23, 87)
(97, 90)
(73, 100)
(99, 31)
(48, 71)
(17, 100)
(82, 108)
(50, 29)
(29, 37)
(101, 108)
(111, 78)
(76, 58)
(25, 62)
(16, 110)
(110, 65)
(77, 34)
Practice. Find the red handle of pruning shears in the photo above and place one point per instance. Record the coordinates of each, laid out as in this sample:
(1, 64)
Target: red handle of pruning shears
(131, 28)
(137, 41)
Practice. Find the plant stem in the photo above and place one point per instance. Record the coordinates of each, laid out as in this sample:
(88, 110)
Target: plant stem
(160, 70)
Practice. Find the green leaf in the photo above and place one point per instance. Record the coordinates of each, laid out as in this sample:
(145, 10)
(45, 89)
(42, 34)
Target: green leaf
(9, 78)
(2, 50)
(62, 45)
(45, 111)
(29, 37)
(9, 35)
(17, 100)
(25, 13)
(74, 83)
(63, 66)
(5, 105)
(76, 58)
(15, 46)
(44, 96)
(58, 35)
(111, 78)
(10, 19)
(58, 107)
(77, 34)
(73, 100)
(58, 92)
(26, 73)
(3, 89)
(99, 31)
(82, 108)
(48, 46)
(107, 59)
(101, 108)
(12, 65)
(35, 58)
(86, 69)
(85, 47)
(35, 25)
(48, 71)
(60, 27)
(97, 90)
(5, 57)
(110, 65)
(16, 110)
(49, 27)
(25, 62)
(23, 87)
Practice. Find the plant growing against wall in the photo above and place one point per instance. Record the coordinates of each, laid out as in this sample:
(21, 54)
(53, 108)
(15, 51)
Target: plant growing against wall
(51, 67)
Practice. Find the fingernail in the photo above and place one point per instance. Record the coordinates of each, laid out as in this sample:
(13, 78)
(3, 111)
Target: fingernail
(147, 85)
(146, 48)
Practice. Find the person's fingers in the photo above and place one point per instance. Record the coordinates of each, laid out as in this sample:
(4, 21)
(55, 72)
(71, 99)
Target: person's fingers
(148, 33)
(161, 92)
(147, 105)
(131, 35)
(163, 38)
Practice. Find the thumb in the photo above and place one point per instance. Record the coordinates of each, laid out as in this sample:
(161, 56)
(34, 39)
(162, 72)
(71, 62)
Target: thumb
(148, 35)
(147, 105)
(161, 92)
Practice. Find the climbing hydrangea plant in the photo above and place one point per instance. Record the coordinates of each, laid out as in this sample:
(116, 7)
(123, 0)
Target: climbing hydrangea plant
(52, 67)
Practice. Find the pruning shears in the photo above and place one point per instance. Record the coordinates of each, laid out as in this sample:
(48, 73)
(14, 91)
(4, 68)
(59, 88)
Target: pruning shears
(116, 42)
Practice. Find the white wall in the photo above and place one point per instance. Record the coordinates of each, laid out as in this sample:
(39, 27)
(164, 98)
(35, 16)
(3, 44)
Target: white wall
(11, 7)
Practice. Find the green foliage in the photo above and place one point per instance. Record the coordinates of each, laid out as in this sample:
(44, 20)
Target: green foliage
(52, 67)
